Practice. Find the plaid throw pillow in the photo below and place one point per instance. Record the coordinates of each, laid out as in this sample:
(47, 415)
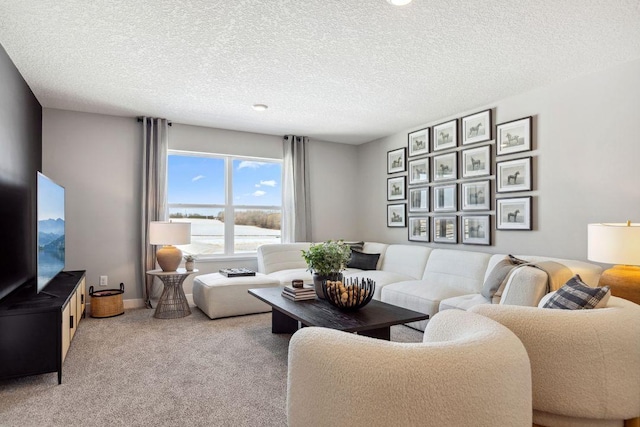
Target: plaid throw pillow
(576, 295)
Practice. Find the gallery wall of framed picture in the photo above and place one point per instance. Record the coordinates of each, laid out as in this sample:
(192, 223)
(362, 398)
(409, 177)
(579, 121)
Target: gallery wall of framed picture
(450, 179)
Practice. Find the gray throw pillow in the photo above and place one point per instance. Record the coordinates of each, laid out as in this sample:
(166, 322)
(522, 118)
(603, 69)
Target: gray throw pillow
(363, 261)
(498, 275)
(355, 246)
(576, 295)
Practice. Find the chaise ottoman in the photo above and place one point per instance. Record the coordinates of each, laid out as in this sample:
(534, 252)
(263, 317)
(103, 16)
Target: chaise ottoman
(220, 296)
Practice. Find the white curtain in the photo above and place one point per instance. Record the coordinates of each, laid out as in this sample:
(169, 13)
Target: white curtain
(296, 212)
(155, 143)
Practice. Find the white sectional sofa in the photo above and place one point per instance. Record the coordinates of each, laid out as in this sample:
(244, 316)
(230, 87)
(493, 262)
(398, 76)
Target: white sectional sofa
(426, 279)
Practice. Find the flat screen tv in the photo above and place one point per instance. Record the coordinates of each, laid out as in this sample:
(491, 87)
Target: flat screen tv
(51, 230)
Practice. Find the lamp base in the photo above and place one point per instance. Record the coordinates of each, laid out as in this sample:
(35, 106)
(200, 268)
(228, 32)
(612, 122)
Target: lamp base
(169, 257)
(624, 281)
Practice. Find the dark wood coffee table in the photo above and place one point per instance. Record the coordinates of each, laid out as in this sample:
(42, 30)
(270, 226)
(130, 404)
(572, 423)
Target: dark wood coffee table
(373, 320)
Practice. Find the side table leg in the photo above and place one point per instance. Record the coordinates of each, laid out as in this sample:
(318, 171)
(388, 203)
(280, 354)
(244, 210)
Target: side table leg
(281, 323)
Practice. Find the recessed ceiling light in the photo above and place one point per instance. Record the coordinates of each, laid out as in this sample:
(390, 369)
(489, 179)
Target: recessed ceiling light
(399, 2)
(259, 107)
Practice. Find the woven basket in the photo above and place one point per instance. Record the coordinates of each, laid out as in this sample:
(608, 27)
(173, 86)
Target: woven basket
(107, 303)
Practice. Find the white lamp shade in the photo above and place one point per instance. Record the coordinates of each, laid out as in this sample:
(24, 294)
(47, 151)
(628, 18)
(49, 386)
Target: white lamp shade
(169, 233)
(614, 243)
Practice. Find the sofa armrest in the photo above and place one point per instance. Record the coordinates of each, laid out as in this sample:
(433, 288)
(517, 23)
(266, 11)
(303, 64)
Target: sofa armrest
(526, 286)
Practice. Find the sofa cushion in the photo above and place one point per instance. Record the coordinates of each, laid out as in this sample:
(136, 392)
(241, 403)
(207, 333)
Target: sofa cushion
(418, 295)
(462, 270)
(499, 274)
(363, 261)
(286, 276)
(408, 260)
(576, 295)
(382, 278)
(276, 257)
(463, 302)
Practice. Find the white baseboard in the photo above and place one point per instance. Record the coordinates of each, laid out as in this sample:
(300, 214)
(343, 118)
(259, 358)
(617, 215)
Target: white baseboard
(139, 303)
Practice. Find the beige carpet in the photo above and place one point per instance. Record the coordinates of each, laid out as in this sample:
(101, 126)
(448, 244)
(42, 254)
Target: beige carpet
(134, 370)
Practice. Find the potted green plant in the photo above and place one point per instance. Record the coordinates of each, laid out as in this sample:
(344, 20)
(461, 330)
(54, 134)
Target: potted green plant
(326, 260)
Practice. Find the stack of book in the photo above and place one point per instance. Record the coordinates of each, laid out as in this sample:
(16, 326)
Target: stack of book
(299, 294)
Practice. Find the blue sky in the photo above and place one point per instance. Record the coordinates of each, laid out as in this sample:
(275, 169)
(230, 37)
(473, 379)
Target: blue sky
(50, 199)
(200, 180)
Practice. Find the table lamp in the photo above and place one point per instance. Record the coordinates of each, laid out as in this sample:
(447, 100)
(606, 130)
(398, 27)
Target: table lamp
(617, 244)
(169, 234)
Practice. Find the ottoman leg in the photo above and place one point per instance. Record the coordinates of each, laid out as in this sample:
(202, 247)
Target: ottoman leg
(281, 323)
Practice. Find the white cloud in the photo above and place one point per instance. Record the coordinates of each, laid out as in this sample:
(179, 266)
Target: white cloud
(259, 193)
(250, 164)
(270, 183)
(197, 178)
(257, 185)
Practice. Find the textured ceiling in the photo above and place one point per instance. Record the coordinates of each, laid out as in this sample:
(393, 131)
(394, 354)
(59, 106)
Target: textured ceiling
(346, 71)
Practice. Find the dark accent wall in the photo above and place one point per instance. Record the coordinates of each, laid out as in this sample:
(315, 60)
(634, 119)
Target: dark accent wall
(20, 158)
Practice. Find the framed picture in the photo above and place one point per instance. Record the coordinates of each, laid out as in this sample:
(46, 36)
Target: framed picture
(445, 229)
(444, 198)
(419, 228)
(396, 188)
(476, 162)
(419, 199)
(396, 161)
(419, 171)
(476, 229)
(445, 135)
(476, 196)
(476, 127)
(445, 167)
(514, 136)
(514, 175)
(513, 213)
(397, 215)
(418, 142)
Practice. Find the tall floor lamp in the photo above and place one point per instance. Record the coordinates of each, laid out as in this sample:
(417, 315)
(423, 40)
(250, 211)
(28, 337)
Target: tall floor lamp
(617, 244)
(169, 234)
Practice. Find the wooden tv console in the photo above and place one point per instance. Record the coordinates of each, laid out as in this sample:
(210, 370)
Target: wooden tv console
(36, 329)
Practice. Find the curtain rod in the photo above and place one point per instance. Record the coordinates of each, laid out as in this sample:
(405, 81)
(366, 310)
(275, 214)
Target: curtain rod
(140, 120)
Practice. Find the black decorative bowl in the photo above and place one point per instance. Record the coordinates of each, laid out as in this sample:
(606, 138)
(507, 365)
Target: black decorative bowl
(349, 294)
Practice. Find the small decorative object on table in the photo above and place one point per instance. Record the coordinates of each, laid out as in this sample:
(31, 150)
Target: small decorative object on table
(237, 272)
(351, 294)
(299, 294)
(189, 262)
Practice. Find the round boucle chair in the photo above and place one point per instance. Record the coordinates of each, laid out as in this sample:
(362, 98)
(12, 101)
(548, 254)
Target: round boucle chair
(585, 364)
(469, 371)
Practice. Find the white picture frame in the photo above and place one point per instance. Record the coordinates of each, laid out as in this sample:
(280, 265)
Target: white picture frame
(419, 171)
(514, 213)
(476, 127)
(397, 215)
(514, 136)
(476, 195)
(418, 228)
(445, 229)
(418, 142)
(513, 175)
(445, 135)
(476, 229)
(445, 198)
(419, 199)
(476, 162)
(445, 167)
(396, 188)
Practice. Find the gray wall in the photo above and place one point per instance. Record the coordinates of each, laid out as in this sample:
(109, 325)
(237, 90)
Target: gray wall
(20, 158)
(98, 159)
(586, 153)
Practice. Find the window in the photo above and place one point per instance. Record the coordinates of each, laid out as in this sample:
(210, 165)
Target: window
(207, 190)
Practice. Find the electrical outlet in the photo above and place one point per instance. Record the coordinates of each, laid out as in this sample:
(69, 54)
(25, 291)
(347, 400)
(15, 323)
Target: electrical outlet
(104, 280)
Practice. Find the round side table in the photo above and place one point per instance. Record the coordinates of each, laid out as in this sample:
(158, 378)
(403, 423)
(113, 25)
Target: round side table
(173, 302)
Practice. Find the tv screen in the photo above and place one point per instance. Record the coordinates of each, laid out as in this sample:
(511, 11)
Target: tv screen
(51, 242)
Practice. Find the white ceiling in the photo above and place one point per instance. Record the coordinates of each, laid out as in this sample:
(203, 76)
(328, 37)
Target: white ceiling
(346, 71)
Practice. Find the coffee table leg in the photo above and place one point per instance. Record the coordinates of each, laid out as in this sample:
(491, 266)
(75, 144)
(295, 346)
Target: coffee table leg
(381, 333)
(281, 323)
